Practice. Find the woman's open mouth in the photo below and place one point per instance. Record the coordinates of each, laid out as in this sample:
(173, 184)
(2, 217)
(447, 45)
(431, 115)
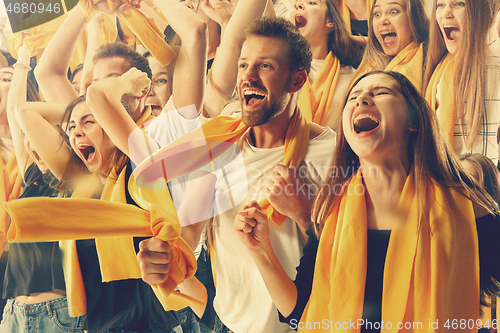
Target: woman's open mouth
(300, 21)
(451, 32)
(365, 123)
(87, 151)
(388, 36)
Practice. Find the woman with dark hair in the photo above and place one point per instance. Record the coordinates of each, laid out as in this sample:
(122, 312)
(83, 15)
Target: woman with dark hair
(335, 54)
(395, 221)
(487, 176)
(34, 274)
(460, 79)
(397, 31)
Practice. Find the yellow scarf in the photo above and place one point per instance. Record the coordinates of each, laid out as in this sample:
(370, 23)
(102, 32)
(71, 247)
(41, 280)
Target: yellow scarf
(409, 63)
(136, 24)
(10, 188)
(443, 75)
(346, 13)
(38, 37)
(431, 271)
(200, 146)
(117, 257)
(315, 99)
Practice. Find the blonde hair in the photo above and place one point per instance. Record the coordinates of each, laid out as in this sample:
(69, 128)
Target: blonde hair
(470, 76)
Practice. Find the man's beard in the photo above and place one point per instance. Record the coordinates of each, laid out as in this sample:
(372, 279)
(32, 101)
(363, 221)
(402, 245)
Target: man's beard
(127, 107)
(268, 111)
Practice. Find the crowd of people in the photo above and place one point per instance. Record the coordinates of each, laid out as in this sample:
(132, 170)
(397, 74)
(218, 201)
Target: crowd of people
(252, 166)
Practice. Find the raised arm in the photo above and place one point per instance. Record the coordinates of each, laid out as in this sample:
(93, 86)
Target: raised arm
(104, 99)
(93, 43)
(53, 66)
(225, 67)
(191, 63)
(37, 121)
(17, 94)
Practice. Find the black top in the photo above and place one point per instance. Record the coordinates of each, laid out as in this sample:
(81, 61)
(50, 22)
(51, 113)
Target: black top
(129, 305)
(488, 229)
(359, 28)
(34, 267)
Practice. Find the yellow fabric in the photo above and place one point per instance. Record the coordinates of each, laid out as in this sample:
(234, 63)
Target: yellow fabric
(443, 75)
(315, 99)
(199, 147)
(409, 63)
(38, 37)
(10, 189)
(101, 219)
(431, 270)
(143, 27)
(346, 13)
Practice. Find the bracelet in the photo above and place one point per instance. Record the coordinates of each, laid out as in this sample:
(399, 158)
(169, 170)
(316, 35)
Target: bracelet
(19, 64)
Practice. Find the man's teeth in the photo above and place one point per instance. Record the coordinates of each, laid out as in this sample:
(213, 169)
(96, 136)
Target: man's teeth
(254, 92)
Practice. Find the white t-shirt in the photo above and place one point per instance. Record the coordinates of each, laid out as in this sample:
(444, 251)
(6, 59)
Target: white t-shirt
(346, 74)
(242, 301)
(169, 126)
(486, 143)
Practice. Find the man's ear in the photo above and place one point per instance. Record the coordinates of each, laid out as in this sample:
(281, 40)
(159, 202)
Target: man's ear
(298, 81)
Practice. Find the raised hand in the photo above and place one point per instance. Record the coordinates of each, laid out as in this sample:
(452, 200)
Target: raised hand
(252, 226)
(288, 194)
(219, 11)
(137, 82)
(154, 260)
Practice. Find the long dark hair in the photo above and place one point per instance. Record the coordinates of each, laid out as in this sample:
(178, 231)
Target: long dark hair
(75, 165)
(429, 154)
(340, 41)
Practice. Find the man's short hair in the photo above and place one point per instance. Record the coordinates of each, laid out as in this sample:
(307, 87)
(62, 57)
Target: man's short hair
(277, 27)
(124, 51)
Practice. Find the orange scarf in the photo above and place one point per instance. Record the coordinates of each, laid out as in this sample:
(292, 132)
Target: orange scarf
(447, 115)
(10, 188)
(409, 63)
(315, 99)
(431, 271)
(346, 13)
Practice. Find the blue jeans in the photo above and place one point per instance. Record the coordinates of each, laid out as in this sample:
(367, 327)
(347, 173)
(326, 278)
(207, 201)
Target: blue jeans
(219, 326)
(177, 329)
(46, 317)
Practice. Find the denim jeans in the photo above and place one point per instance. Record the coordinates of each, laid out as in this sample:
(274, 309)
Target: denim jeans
(177, 329)
(219, 326)
(46, 317)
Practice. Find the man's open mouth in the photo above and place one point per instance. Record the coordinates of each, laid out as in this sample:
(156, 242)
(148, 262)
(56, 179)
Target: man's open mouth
(365, 122)
(253, 97)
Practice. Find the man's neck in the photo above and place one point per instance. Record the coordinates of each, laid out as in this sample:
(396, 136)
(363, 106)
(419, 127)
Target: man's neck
(273, 133)
(138, 113)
